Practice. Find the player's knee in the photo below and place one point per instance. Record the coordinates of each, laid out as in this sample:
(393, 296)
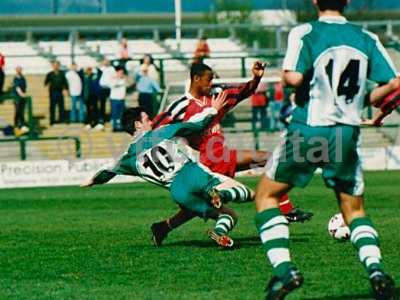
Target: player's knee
(263, 192)
(266, 196)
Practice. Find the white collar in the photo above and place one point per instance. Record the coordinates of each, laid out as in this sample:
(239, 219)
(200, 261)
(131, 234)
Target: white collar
(333, 19)
(138, 136)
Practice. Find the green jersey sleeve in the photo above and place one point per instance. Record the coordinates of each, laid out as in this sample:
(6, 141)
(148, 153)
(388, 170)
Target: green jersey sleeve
(298, 57)
(381, 67)
(143, 156)
(123, 167)
(103, 176)
(198, 122)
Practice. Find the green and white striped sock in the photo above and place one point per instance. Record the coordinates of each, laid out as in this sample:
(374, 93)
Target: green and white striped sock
(274, 233)
(235, 194)
(224, 224)
(365, 238)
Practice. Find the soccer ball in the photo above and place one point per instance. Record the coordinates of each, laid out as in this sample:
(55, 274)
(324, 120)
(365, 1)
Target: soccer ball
(337, 228)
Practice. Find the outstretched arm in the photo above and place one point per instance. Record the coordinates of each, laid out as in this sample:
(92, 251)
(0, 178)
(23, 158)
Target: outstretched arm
(385, 97)
(250, 87)
(378, 95)
(101, 177)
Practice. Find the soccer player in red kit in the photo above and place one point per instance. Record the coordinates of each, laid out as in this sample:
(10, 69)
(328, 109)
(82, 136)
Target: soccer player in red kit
(211, 143)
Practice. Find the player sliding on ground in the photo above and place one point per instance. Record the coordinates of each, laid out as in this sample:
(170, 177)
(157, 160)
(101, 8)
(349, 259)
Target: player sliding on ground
(328, 62)
(211, 142)
(160, 157)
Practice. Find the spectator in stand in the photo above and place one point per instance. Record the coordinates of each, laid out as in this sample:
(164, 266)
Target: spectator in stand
(259, 102)
(148, 89)
(2, 75)
(124, 51)
(90, 97)
(117, 97)
(74, 81)
(123, 55)
(57, 83)
(276, 106)
(202, 50)
(108, 72)
(148, 62)
(19, 91)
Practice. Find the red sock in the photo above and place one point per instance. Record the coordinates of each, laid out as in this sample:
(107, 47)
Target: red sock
(285, 205)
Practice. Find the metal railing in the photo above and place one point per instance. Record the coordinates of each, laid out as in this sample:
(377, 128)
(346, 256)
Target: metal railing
(24, 140)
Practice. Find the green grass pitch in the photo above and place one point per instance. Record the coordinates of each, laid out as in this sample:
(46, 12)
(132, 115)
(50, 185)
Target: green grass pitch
(71, 243)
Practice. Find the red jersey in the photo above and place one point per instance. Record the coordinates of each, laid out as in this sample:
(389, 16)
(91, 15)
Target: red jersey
(258, 99)
(214, 131)
(279, 93)
(188, 107)
(209, 142)
(202, 49)
(2, 61)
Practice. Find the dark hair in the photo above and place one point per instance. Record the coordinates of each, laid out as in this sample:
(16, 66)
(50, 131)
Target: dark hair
(151, 61)
(129, 117)
(337, 5)
(198, 69)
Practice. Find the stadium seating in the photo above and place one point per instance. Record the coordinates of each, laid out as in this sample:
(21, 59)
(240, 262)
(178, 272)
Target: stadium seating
(60, 48)
(17, 48)
(111, 144)
(221, 51)
(137, 48)
(23, 54)
(108, 48)
(82, 61)
(145, 46)
(62, 52)
(33, 61)
(216, 45)
(112, 48)
(30, 65)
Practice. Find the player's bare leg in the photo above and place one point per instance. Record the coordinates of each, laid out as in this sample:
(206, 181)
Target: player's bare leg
(365, 239)
(247, 159)
(273, 229)
(161, 229)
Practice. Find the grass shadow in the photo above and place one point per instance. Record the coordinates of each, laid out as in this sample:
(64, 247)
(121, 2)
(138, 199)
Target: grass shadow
(349, 297)
(246, 242)
(241, 242)
(191, 243)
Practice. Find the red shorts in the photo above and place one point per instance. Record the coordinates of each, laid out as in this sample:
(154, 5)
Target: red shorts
(220, 160)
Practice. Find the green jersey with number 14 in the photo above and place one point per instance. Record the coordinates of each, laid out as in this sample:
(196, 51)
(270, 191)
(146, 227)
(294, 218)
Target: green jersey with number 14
(158, 155)
(336, 58)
